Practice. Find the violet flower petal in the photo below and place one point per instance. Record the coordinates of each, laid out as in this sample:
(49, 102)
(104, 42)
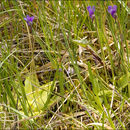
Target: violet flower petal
(93, 8)
(28, 17)
(89, 7)
(25, 19)
(109, 9)
(115, 7)
(31, 18)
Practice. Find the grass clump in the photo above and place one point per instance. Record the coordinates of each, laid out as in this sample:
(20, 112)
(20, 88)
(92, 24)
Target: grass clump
(64, 65)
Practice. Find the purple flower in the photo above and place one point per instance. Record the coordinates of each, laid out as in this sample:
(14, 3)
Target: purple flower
(91, 11)
(29, 19)
(112, 10)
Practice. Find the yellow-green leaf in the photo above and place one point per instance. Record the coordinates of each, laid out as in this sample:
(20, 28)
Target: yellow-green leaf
(82, 42)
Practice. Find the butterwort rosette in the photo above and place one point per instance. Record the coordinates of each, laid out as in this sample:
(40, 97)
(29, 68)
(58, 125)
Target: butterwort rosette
(29, 19)
(91, 11)
(112, 10)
